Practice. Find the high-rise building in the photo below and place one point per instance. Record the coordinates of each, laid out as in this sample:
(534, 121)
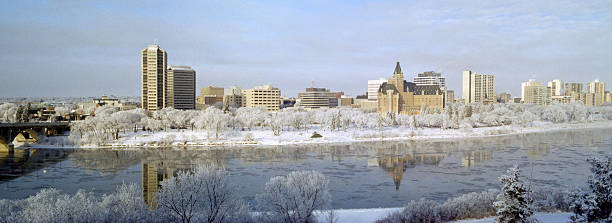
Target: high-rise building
(531, 82)
(266, 95)
(556, 87)
(535, 93)
(598, 89)
(373, 86)
(317, 98)
(154, 62)
(478, 88)
(573, 87)
(181, 87)
(430, 78)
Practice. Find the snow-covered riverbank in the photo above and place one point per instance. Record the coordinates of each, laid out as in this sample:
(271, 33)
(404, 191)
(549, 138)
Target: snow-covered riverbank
(259, 137)
(373, 214)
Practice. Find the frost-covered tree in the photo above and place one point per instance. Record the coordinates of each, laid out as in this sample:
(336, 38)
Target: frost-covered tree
(251, 117)
(294, 197)
(275, 122)
(594, 204)
(513, 203)
(199, 195)
(125, 205)
(213, 120)
(8, 112)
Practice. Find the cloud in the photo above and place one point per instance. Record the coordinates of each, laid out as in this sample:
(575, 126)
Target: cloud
(68, 46)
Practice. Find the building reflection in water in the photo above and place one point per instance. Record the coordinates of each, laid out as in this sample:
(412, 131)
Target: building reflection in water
(396, 165)
(470, 158)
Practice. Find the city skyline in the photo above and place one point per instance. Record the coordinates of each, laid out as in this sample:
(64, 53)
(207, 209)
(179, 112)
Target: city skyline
(289, 45)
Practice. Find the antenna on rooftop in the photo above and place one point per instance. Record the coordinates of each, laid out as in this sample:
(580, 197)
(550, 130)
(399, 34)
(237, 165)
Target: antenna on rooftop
(155, 41)
(312, 84)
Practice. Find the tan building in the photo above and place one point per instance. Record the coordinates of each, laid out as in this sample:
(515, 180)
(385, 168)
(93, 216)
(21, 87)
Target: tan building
(181, 87)
(154, 62)
(346, 101)
(608, 97)
(536, 94)
(210, 95)
(401, 97)
(556, 87)
(530, 83)
(266, 95)
(478, 88)
(573, 87)
(314, 98)
(598, 89)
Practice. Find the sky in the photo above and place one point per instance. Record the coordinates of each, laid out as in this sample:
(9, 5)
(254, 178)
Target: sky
(91, 48)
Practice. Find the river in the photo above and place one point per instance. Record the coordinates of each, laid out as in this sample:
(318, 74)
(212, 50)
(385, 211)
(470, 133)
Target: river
(362, 175)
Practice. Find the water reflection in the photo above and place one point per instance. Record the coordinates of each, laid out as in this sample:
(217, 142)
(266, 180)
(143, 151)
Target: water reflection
(373, 174)
(471, 158)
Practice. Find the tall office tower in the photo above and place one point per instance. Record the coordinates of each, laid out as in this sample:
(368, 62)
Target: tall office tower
(154, 62)
(556, 87)
(478, 88)
(531, 82)
(430, 78)
(597, 88)
(373, 86)
(181, 87)
(266, 95)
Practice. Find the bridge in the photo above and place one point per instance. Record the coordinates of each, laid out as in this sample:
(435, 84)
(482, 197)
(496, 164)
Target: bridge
(8, 131)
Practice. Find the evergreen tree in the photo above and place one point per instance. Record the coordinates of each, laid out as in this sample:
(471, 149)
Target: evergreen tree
(595, 204)
(513, 203)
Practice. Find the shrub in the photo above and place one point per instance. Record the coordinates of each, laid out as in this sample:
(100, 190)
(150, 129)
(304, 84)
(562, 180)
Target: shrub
(416, 212)
(472, 205)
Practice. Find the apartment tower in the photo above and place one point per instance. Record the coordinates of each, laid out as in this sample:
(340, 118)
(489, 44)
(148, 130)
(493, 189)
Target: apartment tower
(181, 87)
(478, 88)
(154, 75)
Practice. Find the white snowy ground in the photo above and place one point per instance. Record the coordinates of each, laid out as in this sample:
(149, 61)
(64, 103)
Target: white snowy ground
(371, 215)
(290, 137)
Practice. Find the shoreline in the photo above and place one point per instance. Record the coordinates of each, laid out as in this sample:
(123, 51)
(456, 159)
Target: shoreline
(433, 134)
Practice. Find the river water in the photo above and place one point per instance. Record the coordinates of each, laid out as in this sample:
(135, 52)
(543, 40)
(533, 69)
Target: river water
(362, 175)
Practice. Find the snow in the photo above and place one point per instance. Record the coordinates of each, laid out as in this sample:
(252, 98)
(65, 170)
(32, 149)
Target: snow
(358, 215)
(543, 217)
(373, 214)
(265, 137)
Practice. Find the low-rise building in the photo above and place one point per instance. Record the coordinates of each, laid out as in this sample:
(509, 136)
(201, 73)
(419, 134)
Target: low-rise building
(266, 95)
(314, 98)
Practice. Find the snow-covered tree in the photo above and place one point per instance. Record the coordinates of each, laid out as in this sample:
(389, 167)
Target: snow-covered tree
(251, 117)
(594, 204)
(513, 203)
(125, 205)
(213, 120)
(294, 197)
(8, 112)
(199, 195)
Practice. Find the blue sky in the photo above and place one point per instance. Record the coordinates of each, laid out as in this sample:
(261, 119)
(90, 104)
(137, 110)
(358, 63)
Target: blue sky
(90, 48)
